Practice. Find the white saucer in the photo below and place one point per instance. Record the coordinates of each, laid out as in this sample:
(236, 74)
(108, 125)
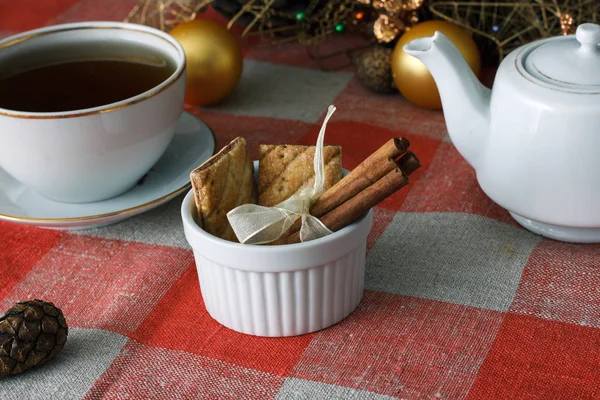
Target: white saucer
(192, 144)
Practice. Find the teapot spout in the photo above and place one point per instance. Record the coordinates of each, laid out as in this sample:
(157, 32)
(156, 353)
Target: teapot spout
(465, 101)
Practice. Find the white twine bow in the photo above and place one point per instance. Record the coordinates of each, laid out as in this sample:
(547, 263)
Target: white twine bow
(255, 224)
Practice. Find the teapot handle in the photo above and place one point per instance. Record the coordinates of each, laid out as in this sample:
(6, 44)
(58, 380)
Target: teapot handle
(589, 36)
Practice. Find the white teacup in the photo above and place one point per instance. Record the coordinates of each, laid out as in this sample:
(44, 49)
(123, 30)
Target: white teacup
(90, 154)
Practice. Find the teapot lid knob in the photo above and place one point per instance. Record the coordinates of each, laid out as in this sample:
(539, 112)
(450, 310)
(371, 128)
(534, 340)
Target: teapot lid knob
(589, 36)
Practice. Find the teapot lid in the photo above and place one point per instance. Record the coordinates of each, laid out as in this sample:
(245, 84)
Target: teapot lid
(568, 63)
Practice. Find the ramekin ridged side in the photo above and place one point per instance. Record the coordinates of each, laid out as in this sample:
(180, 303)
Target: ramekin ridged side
(282, 303)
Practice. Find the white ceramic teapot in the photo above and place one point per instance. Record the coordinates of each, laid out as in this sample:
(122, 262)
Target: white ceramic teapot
(534, 139)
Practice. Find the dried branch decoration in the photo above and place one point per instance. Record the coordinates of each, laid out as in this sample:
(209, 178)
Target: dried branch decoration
(165, 14)
(509, 24)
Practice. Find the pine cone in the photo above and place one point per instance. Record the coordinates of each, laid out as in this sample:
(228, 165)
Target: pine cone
(31, 333)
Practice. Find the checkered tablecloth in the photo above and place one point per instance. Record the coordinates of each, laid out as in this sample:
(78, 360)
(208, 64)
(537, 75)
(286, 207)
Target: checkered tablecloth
(460, 302)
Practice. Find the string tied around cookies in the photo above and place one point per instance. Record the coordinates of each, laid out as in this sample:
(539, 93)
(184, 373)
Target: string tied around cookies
(254, 224)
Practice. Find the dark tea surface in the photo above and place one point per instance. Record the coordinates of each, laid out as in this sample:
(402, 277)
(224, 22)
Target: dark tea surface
(77, 85)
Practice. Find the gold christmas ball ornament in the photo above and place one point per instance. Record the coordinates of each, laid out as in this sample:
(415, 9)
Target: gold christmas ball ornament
(411, 76)
(374, 71)
(396, 6)
(214, 61)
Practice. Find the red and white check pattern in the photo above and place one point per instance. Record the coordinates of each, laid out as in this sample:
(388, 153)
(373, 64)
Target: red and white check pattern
(460, 302)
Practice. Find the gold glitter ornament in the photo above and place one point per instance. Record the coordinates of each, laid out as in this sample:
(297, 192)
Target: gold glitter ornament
(378, 4)
(411, 5)
(394, 17)
(567, 24)
(374, 69)
(386, 28)
(393, 6)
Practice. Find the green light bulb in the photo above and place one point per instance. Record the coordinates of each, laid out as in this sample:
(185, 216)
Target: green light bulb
(340, 28)
(300, 16)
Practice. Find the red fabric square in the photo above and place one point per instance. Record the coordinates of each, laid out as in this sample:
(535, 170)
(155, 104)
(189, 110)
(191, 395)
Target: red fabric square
(23, 15)
(392, 111)
(560, 282)
(403, 347)
(449, 185)
(180, 321)
(99, 283)
(360, 140)
(537, 359)
(141, 372)
(256, 130)
(22, 247)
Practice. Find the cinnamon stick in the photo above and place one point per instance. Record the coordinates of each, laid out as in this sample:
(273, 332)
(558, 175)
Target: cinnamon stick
(354, 208)
(365, 174)
(408, 163)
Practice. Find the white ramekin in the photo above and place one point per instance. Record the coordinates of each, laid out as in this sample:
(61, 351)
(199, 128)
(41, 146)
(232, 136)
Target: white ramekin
(279, 290)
